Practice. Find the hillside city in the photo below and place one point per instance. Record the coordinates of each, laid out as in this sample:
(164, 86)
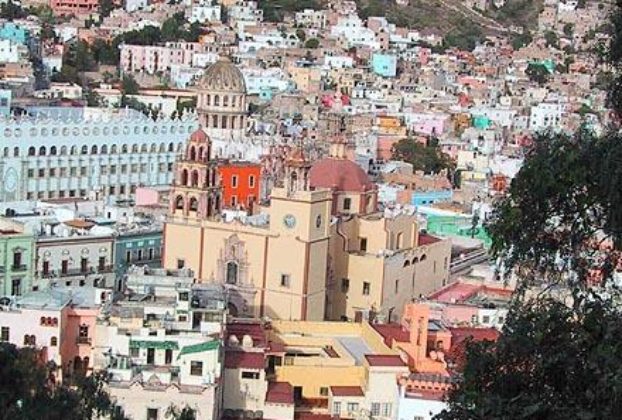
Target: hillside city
(235, 209)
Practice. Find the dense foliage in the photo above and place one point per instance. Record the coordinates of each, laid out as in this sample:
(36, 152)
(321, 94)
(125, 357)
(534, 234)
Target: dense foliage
(27, 391)
(538, 73)
(552, 361)
(426, 157)
(564, 204)
(275, 10)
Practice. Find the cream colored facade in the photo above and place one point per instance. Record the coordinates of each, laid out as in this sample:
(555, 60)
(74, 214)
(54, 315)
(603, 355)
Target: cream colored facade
(276, 270)
(378, 265)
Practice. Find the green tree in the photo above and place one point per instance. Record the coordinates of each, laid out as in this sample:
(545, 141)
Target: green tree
(424, 157)
(105, 7)
(568, 29)
(11, 11)
(537, 73)
(28, 391)
(551, 39)
(563, 203)
(312, 43)
(522, 40)
(545, 365)
(186, 413)
(301, 34)
(129, 86)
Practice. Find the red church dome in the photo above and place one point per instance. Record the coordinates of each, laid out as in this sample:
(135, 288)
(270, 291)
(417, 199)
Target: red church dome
(339, 175)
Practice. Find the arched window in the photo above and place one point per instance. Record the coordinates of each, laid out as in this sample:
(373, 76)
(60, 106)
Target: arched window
(113, 149)
(214, 121)
(74, 150)
(48, 321)
(162, 148)
(5, 152)
(194, 204)
(171, 147)
(42, 151)
(233, 101)
(31, 151)
(184, 177)
(53, 342)
(26, 339)
(135, 148)
(232, 272)
(201, 157)
(33, 340)
(208, 99)
(234, 121)
(84, 150)
(53, 151)
(225, 100)
(42, 321)
(124, 149)
(154, 147)
(63, 150)
(180, 147)
(16, 151)
(415, 260)
(223, 121)
(94, 149)
(195, 179)
(143, 148)
(406, 263)
(55, 322)
(193, 154)
(104, 150)
(216, 100)
(423, 258)
(179, 202)
(400, 239)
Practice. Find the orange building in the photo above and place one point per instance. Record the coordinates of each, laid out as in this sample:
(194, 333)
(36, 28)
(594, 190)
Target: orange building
(240, 184)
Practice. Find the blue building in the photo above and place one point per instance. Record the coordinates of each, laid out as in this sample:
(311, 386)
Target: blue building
(137, 248)
(424, 198)
(384, 64)
(14, 32)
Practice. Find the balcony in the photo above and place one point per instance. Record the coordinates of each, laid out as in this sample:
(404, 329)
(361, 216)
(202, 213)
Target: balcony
(86, 341)
(73, 272)
(20, 267)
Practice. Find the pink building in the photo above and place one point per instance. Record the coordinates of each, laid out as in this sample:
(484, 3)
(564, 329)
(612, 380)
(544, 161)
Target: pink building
(74, 7)
(152, 58)
(78, 337)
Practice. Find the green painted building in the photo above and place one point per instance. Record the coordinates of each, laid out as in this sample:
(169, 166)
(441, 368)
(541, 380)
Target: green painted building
(457, 226)
(17, 250)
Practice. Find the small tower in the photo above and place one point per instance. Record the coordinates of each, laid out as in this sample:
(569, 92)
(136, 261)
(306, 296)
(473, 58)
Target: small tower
(297, 169)
(197, 191)
(340, 145)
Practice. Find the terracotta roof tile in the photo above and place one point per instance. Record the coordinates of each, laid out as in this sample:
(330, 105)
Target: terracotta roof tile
(244, 359)
(347, 391)
(384, 360)
(280, 393)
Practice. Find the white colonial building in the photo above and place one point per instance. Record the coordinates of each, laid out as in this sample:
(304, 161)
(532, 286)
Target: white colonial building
(51, 153)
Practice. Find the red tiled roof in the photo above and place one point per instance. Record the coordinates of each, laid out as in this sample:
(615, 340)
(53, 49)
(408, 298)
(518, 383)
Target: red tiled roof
(425, 394)
(427, 239)
(459, 292)
(460, 334)
(340, 175)
(384, 360)
(312, 416)
(347, 391)
(244, 359)
(392, 332)
(280, 393)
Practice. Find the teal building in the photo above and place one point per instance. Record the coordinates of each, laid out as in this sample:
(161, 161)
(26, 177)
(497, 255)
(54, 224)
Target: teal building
(137, 248)
(14, 32)
(17, 250)
(384, 65)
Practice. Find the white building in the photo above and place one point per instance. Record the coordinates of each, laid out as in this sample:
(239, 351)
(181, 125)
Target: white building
(11, 52)
(245, 11)
(161, 346)
(338, 62)
(311, 18)
(205, 13)
(352, 30)
(419, 405)
(74, 152)
(134, 5)
(546, 115)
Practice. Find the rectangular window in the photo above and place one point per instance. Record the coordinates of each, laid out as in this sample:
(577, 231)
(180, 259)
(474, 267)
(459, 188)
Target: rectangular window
(5, 334)
(134, 352)
(250, 375)
(375, 409)
(345, 285)
(140, 255)
(150, 356)
(353, 408)
(17, 260)
(196, 368)
(123, 168)
(234, 181)
(101, 264)
(151, 253)
(324, 391)
(386, 409)
(485, 319)
(181, 264)
(366, 287)
(113, 169)
(134, 168)
(63, 172)
(251, 181)
(64, 266)
(169, 167)
(347, 203)
(45, 268)
(112, 190)
(183, 296)
(83, 171)
(122, 189)
(52, 172)
(128, 256)
(234, 201)
(31, 173)
(16, 287)
(285, 280)
(72, 193)
(143, 168)
(84, 265)
(397, 286)
(336, 408)
(42, 173)
(363, 242)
